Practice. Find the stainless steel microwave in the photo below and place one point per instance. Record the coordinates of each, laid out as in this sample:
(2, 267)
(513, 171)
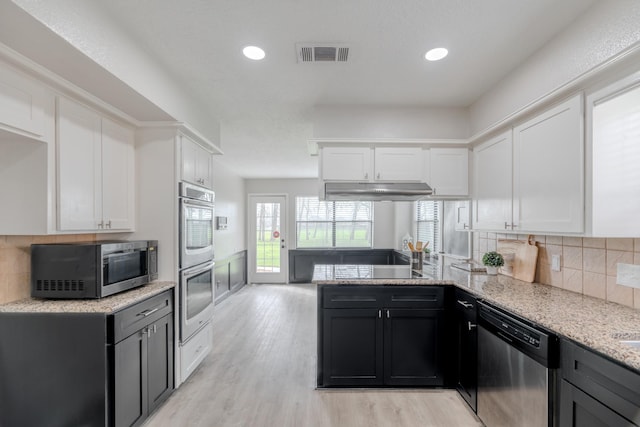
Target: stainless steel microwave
(86, 270)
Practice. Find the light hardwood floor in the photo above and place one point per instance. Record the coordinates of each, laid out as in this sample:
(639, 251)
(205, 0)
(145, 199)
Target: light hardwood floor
(262, 373)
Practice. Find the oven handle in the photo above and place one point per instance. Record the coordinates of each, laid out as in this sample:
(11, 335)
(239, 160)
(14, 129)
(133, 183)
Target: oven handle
(197, 270)
(198, 203)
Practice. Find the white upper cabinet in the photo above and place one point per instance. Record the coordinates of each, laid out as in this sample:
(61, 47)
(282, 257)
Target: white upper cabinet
(118, 158)
(449, 171)
(346, 164)
(399, 164)
(493, 189)
(614, 116)
(21, 103)
(196, 163)
(95, 171)
(548, 172)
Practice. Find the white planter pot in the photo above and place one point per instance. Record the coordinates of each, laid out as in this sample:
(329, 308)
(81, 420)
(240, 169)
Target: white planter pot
(491, 270)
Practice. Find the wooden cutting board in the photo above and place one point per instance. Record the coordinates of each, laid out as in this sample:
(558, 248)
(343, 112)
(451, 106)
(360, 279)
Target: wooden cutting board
(520, 258)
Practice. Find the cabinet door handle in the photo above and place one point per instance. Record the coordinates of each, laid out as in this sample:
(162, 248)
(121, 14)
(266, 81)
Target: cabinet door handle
(379, 314)
(366, 175)
(514, 226)
(101, 224)
(465, 226)
(465, 304)
(108, 224)
(506, 225)
(471, 325)
(155, 329)
(378, 177)
(388, 315)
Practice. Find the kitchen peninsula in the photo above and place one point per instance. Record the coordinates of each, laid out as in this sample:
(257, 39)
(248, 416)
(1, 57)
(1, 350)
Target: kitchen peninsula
(398, 329)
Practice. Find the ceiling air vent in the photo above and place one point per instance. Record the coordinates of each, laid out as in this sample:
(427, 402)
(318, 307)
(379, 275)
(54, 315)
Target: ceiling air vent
(322, 52)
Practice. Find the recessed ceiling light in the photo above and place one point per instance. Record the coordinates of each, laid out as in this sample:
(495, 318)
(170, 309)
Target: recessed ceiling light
(436, 54)
(253, 52)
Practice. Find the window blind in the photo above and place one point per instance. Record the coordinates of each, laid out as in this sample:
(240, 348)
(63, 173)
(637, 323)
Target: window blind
(428, 223)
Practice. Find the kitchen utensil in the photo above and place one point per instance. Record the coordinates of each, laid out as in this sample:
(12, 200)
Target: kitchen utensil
(419, 246)
(524, 255)
(410, 244)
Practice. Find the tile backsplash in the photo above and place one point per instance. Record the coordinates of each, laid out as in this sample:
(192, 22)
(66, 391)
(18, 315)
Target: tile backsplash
(15, 262)
(587, 265)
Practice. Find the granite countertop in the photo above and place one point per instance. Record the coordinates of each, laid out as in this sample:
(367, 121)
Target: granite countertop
(105, 305)
(595, 323)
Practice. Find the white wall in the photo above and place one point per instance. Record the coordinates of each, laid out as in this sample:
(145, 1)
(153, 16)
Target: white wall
(384, 233)
(606, 29)
(336, 121)
(231, 201)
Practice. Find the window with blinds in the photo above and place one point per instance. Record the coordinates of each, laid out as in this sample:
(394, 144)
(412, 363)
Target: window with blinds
(323, 224)
(428, 223)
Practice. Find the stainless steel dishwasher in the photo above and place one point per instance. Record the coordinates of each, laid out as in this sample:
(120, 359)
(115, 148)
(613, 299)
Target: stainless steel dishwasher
(516, 370)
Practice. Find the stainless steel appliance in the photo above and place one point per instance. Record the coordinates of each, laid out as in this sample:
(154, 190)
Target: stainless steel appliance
(196, 225)
(91, 269)
(516, 370)
(196, 298)
(197, 282)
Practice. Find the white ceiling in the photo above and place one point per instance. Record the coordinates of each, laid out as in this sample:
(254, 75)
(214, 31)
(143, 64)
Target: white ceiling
(265, 108)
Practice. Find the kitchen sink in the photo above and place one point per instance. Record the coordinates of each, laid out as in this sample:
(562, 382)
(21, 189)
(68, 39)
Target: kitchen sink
(631, 343)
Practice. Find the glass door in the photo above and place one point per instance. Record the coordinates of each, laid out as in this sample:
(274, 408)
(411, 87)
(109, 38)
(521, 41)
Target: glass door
(268, 253)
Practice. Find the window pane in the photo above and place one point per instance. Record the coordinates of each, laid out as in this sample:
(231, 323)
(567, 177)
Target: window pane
(427, 223)
(314, 234)
(267, 246)
(322, 224)
(312, 209)
(353, 234)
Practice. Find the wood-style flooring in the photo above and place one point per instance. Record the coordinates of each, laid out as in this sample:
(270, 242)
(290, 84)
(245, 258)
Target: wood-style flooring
(262, 373)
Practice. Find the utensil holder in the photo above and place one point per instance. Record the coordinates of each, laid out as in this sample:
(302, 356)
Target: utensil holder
(416, 261)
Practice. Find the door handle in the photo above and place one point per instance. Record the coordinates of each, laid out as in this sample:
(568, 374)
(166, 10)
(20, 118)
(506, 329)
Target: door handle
(471, 325)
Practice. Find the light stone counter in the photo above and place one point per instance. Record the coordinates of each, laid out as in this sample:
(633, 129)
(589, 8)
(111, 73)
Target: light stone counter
(105, 305)
(595, 323)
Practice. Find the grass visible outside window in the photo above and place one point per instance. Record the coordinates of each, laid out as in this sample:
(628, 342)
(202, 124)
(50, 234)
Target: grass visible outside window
(323, 224)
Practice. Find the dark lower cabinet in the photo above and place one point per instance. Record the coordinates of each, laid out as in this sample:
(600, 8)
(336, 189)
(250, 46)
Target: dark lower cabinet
(86, 369)
(381, 336)
(352, 347)
(596, 391)
(413, 347)
(466, 346)
(144, 371)
(578, 409)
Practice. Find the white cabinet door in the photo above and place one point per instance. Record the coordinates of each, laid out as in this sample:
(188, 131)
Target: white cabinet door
(346, 164)
(196, 163)
(493, 189)
(21, 102)
(118, 181)
(548, 171)
(79, 167)
(204, 168)
(399, 164)
(615, 143)
(449, 171)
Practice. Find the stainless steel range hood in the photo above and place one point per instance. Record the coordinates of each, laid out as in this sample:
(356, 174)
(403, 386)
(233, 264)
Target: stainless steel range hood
(376, 191)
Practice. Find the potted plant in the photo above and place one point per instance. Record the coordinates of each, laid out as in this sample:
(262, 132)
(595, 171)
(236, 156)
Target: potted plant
(492, 260)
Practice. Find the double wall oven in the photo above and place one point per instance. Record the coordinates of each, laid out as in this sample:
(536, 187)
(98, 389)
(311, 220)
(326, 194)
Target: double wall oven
(196, 286)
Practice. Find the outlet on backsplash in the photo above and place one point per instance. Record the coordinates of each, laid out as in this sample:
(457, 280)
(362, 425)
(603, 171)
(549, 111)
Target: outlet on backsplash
(555, 262)
(628, 275)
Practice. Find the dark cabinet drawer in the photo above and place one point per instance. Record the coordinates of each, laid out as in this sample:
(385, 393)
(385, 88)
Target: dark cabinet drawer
(131, 319)
(414, 297)
(607, 382)
(352, 297)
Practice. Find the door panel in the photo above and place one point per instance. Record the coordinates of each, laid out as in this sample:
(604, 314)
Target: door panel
(268, 253)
